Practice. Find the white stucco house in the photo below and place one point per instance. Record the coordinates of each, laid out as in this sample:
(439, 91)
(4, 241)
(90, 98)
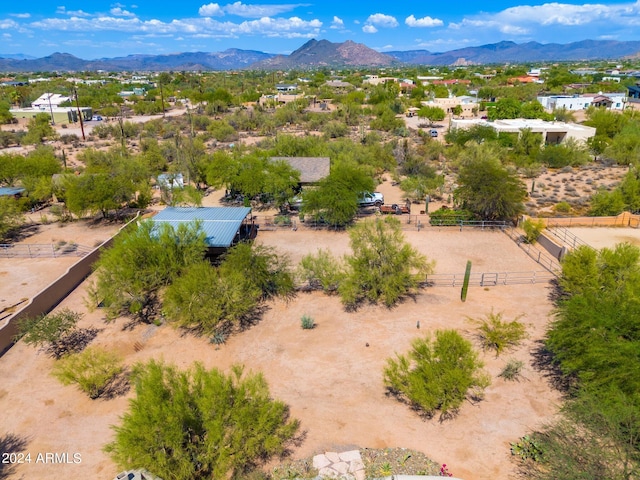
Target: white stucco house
(612, 101)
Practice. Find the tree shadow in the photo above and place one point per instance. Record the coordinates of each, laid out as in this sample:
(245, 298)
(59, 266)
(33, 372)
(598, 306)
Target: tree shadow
(21, 233)
(10, 443)
(118, 386)
(74, 342)
(545, 363)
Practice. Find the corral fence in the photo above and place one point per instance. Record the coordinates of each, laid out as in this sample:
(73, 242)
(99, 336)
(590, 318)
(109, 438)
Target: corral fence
(565, 236)
(542, 258)
(408, 222)
(46, 250)
(489, 279)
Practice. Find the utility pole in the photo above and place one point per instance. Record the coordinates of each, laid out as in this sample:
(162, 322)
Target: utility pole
(53, 120)
(75, 91)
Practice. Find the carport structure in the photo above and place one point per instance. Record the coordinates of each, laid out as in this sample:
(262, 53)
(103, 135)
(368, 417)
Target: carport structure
(223, 226)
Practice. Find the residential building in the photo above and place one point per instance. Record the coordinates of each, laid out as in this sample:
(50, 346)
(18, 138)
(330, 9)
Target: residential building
(611, 101)
(552, 132)
(312, 169)
(469, 104)
(47, 100)
(286, 87)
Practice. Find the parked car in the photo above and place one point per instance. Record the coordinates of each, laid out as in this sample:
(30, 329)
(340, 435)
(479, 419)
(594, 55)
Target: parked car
(369, 199)
(96, 118)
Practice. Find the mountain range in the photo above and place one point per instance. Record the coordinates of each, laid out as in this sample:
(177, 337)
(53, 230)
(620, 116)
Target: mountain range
(322, 53)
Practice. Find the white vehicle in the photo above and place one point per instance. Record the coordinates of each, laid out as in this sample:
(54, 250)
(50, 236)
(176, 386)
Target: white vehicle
(369, 199)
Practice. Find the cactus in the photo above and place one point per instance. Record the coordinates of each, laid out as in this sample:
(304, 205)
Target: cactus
(465, 283)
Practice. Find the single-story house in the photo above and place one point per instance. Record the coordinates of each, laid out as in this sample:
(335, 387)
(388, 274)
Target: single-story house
(223, 226)
(611, 101)
(286, 87)
(47, 100)
(57, 114)
(552, 132)
(312, 169)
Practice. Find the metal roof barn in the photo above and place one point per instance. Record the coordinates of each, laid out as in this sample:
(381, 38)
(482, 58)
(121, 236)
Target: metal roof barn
(223, 226)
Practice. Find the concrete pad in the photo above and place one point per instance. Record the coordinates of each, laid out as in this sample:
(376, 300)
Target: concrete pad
(333, 457)
(360, 475)
(341, 467)
(350, 456)
(321, 461)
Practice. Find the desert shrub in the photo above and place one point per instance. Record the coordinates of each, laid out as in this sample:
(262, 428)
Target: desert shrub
(54, 332)
(447, 217)
(562, 207)
(307, 322)
(200, 423)
(499, 335)
(438, 374)
(92, 370)
(512, 370)
(532, 230)
(321, 270)
(206, 301)
(528, 447)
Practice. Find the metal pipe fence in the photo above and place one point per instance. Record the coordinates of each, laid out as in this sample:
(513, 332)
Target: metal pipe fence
(547, 261)
(566, 237)
(38, 250)
(489, 279)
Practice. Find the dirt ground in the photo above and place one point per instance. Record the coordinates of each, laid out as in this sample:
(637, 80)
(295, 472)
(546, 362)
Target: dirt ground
(329, 376)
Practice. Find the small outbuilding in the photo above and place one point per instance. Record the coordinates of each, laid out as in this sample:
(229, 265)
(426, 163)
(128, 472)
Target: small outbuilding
(15, 192)
(312, 169)
(223, 226)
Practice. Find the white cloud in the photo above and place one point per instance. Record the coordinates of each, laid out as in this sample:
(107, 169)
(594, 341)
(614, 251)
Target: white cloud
(7, 24)
(369, 29)
(119, 12)
(72, 13)
(337, 22)
(210, 10)
(382, 20)
(412, 21)
(20, 15)
(258, 11)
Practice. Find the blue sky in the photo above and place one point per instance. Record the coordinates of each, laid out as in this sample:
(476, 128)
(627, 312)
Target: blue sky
(100, 28)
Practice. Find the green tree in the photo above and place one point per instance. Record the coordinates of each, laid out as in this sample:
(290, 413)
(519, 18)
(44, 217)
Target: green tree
(11, 216)
(39, 128)
(505, 108)
(433, 114)
(93, 370)
(200, 423)
(142, 260)
(437, 374)
(55, 331)
(335, 201)
(207, 301)
(383, 267)
(490, 190)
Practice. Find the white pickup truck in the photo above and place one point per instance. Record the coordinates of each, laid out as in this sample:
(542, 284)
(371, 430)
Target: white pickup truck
(369, 199)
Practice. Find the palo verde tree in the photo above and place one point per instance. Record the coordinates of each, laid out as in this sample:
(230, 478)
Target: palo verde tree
(200, 423)
(143, 259)
(383, 267)
(437, 374)
(490, 190)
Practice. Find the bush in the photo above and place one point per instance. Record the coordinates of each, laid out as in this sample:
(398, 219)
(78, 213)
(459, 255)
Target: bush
(92, 370)
(55, 331)
(562, 207)
(438, 374)
(532, 230)
(448, 217)
(307, 322)
(496, 334)
(321, 270)
(200, 423)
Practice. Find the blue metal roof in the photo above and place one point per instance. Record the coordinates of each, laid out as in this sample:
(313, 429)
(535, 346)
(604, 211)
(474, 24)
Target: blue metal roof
(10, 191)
(220, 224)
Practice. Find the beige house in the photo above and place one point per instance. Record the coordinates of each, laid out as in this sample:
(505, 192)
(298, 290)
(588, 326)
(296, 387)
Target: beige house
(469, 105)
(552, 132)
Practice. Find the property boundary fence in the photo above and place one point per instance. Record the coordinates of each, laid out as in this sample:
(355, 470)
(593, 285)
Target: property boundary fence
(625, 219)
(39, 250)
(489, 279)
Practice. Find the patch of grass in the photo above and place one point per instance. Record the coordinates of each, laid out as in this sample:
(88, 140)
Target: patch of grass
(512, 371)
(307, 322)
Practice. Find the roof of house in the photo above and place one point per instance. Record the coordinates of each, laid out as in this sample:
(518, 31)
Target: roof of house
(220, 224)
(312, 169)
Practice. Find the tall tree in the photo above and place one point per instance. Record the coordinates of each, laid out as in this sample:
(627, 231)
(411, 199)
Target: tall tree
(490, 190)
